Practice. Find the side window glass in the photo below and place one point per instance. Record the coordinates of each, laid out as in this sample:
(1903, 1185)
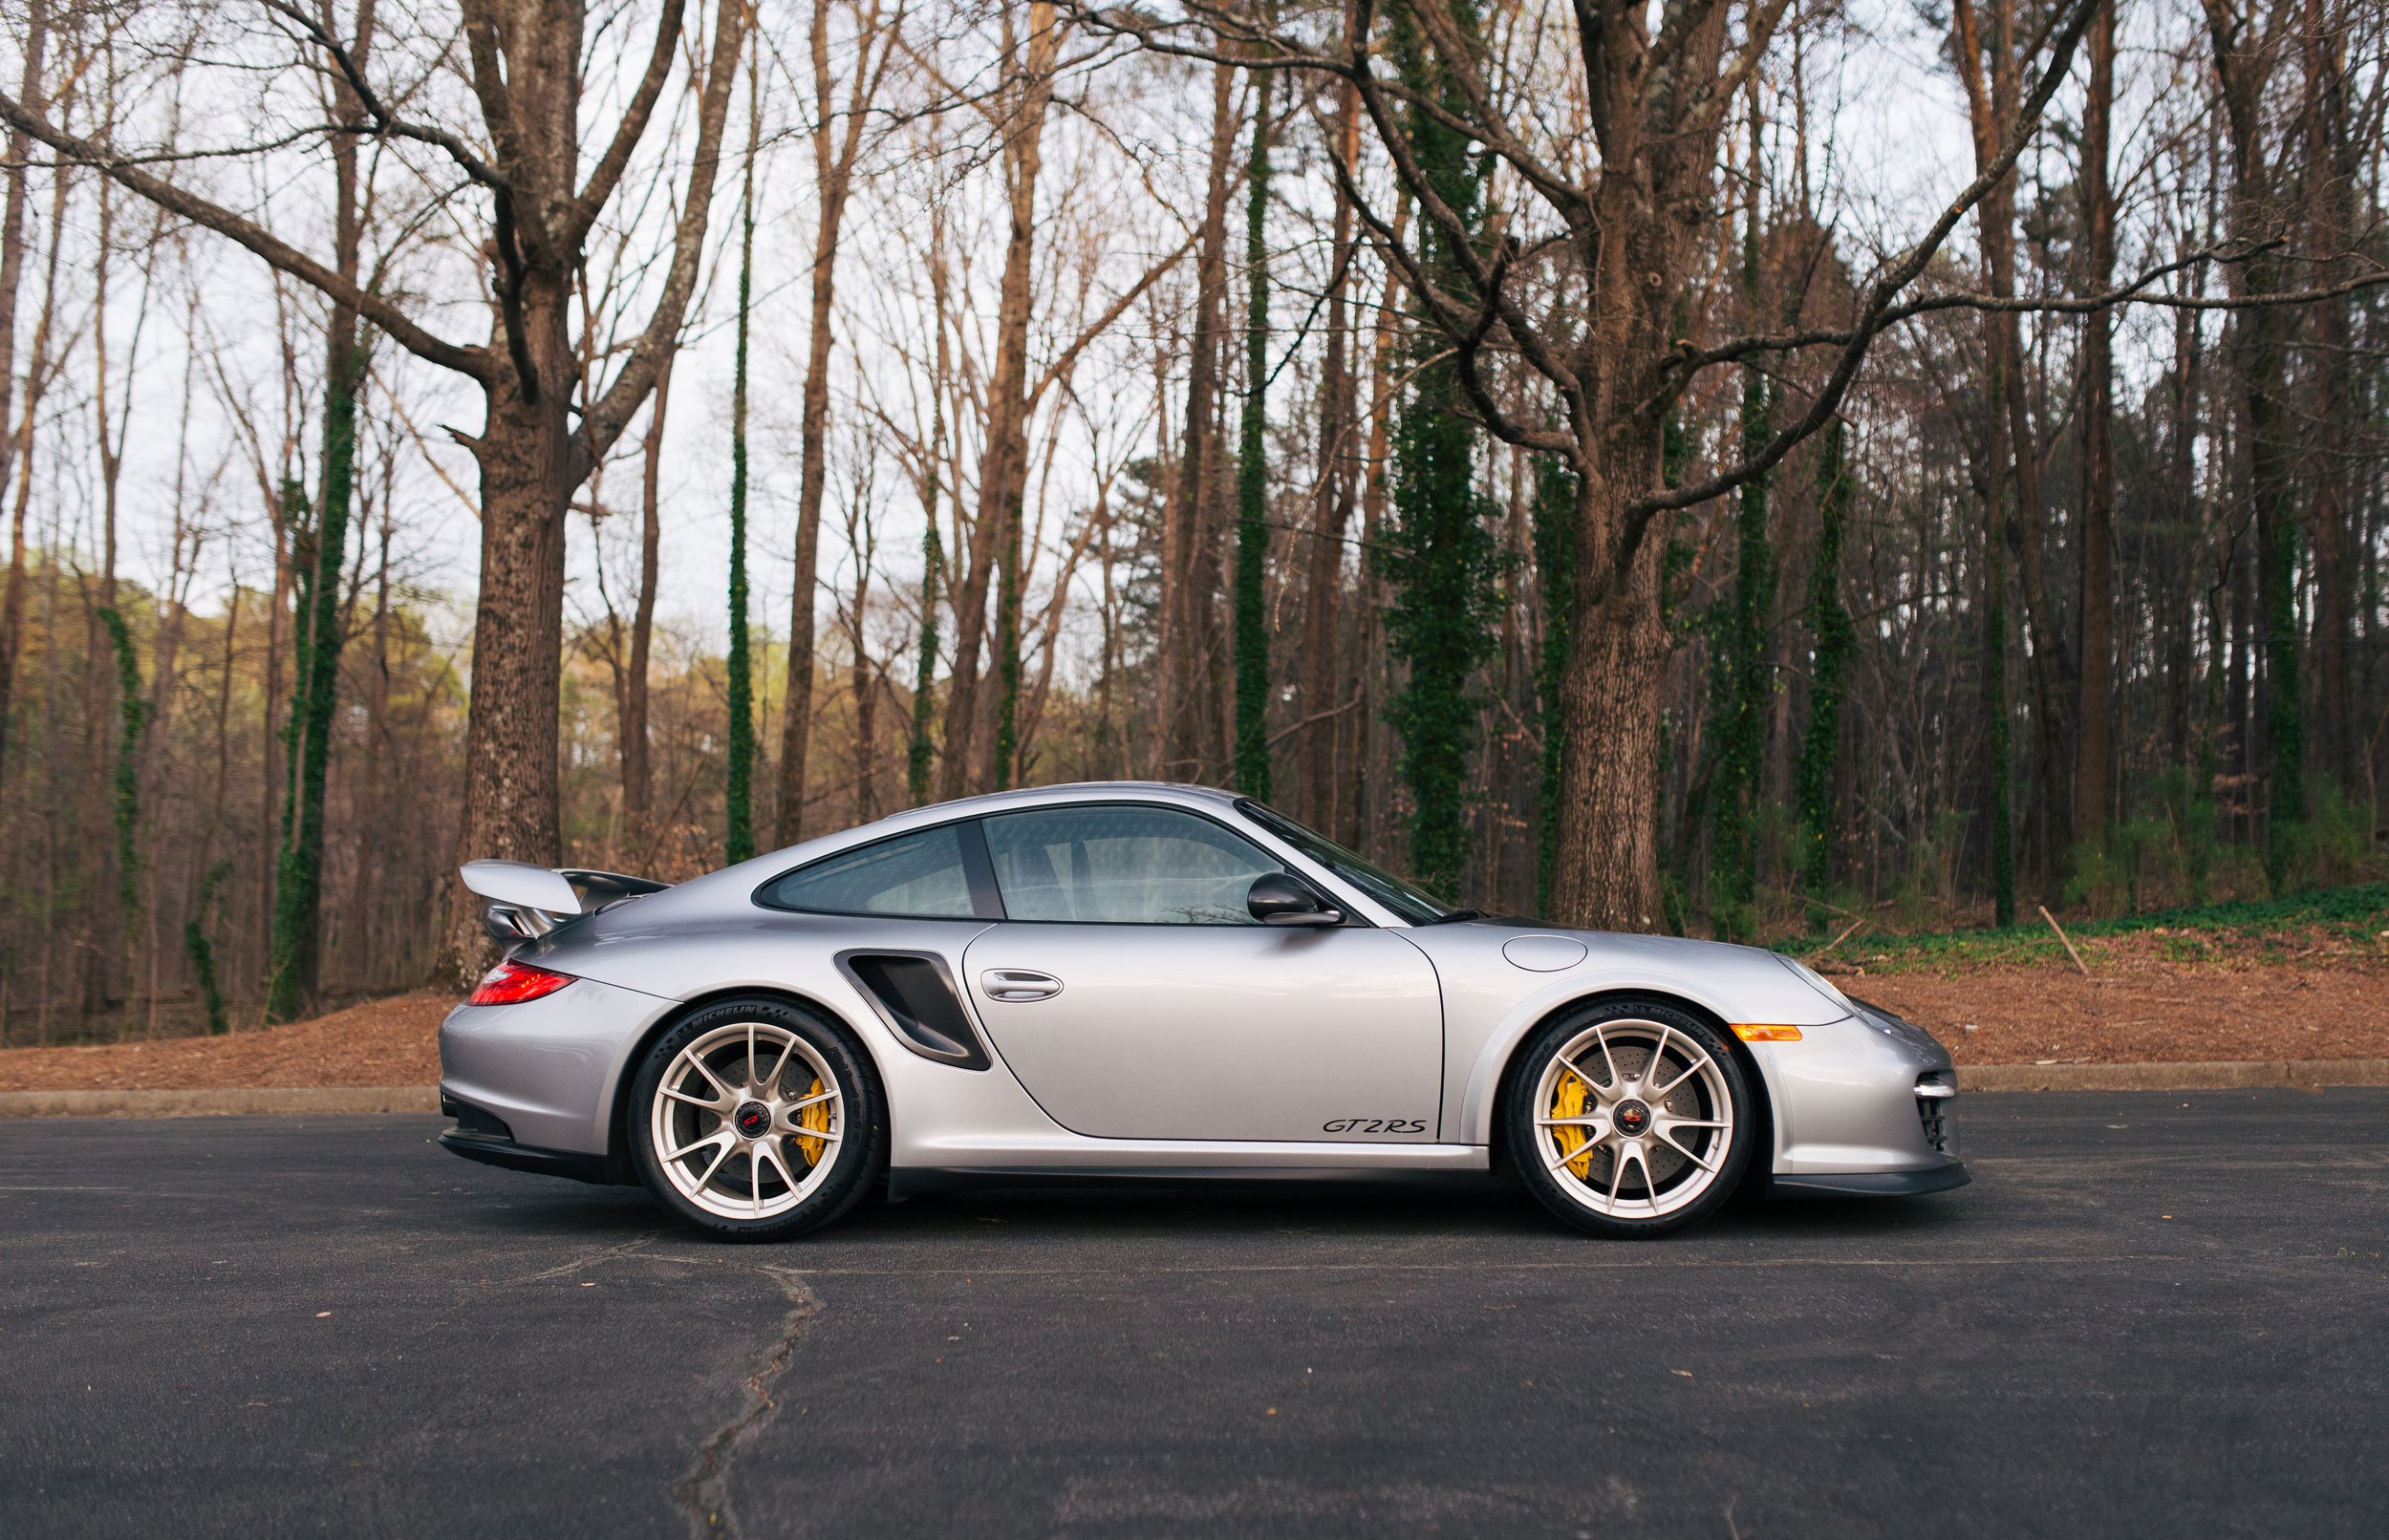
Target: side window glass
(913, 874)
(1120, 865)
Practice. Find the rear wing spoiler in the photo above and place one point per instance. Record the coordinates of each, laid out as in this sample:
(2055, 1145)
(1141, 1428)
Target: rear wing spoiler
(527, 902)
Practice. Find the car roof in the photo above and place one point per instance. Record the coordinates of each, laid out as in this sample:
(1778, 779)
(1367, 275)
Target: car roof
(1208, 797)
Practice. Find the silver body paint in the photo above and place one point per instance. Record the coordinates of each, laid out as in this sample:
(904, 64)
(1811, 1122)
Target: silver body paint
(1170, 1049)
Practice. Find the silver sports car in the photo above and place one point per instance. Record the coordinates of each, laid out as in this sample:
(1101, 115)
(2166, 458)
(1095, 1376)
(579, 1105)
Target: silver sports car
(1133, 980)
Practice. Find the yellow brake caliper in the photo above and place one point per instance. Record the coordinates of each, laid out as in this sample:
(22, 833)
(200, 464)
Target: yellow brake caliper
(1569, 1102)
(816, 1118)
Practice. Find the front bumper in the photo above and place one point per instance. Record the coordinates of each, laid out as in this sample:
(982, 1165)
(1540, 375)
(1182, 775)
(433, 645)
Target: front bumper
(1863, 1107)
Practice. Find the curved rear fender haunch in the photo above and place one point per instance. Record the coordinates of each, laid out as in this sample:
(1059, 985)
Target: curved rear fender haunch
(618, 1167)
(1756, 1172)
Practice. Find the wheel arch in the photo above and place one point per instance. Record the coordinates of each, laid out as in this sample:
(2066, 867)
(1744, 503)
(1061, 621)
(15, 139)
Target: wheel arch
(1755, 1172)
(618, 1167)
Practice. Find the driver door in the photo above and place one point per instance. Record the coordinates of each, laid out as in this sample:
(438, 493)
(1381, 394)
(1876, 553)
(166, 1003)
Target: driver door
(1136, 997)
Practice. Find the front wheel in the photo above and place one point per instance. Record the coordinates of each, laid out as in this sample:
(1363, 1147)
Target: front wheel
(756, 1121)
(1629, 1119)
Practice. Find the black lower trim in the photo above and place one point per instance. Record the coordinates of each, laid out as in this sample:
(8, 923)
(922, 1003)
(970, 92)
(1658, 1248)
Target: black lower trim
(516, 1156)
(1870, 1183)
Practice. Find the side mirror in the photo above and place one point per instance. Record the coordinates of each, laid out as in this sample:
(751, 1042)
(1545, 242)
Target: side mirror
(1282, 898)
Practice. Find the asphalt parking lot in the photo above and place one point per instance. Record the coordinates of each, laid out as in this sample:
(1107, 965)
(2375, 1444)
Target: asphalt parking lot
(2151, 1314)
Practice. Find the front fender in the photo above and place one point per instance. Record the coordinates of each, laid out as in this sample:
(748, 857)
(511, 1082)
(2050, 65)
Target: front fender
(1490, 1004)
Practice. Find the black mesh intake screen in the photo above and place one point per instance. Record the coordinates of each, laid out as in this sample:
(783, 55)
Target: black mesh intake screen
(915, 996)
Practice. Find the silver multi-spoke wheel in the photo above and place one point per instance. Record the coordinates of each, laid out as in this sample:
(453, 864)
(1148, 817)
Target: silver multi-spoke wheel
(746, 1121)
(1633, 1119)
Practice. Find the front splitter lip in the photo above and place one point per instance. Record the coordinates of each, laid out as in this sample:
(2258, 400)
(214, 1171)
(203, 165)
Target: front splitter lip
(1870, 1183)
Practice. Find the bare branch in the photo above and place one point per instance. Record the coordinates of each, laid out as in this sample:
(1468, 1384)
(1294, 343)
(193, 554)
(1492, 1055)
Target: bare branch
(603, 177)
(471, 361)
(1873, 315)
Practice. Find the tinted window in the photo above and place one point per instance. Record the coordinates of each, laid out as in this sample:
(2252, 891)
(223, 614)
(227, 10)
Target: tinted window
(1411, 903)
(1123, 866)
(916, 874)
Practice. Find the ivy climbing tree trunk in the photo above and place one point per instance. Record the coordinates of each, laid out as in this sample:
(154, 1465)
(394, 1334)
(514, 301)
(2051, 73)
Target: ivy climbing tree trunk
(1836, 643)
(1439, 555)
(739, 790)
(292, 983)
(1742, 722)
(920, 755)
(1555, 568)
(1252, 471)
(294, 963)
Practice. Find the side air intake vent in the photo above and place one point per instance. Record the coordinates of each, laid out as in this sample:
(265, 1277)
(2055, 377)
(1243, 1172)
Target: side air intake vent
(915, 995)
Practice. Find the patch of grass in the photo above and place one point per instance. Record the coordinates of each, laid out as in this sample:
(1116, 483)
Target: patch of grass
(2338, 920)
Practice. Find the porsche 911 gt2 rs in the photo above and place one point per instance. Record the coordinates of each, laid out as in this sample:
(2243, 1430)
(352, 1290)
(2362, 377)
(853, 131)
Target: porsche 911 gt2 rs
(1126, 980)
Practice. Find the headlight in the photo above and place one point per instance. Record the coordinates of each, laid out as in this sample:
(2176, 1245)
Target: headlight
(1819, 983)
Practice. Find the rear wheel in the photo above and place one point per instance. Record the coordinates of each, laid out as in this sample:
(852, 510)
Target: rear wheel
(1629, 1119)
(756, 1121)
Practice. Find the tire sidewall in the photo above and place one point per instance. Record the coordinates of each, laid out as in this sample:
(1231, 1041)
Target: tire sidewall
(860, 1153)
(1519, 1117)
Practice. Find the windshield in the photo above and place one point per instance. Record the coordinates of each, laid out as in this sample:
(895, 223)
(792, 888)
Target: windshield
(1395, 895)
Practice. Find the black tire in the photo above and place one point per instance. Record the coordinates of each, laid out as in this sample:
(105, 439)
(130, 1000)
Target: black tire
(855, 1163)
(1678, 1191)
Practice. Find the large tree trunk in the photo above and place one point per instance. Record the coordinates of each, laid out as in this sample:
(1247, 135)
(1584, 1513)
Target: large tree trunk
(527, 475)
(1609, 756)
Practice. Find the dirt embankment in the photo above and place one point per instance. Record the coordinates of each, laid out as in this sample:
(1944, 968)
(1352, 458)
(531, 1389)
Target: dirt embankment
(381, 1043)
(2148, 1013)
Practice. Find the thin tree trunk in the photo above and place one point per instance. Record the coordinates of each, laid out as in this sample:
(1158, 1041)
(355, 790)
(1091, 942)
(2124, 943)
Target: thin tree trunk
(833, 177)
(20, 438)
(1185, 515)
(1252, 472)
(921, 754)
(1321, 675)
(2333, 162)
(2095, 706)
(639, 779)
(1003, 468)
(738, 782)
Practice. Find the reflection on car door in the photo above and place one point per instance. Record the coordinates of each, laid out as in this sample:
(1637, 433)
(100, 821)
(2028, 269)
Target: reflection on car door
(1135, 999)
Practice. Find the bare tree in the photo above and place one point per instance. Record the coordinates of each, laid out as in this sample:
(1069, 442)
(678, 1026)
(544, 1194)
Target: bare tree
(525, 70)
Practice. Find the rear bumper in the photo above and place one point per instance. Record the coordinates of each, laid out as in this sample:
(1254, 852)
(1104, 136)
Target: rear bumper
(479, 1136)
(1869, 1183)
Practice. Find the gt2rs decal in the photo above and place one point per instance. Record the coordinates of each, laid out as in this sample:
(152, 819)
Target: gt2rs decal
(1373, 1125)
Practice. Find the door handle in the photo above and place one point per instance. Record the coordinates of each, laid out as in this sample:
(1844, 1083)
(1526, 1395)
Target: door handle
(1019, 984)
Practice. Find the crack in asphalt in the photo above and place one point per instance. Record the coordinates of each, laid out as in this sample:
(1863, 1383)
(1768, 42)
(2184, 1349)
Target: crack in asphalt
(704, 1490)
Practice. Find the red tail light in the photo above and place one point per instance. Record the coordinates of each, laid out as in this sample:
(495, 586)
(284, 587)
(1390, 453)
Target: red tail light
(511, 983)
